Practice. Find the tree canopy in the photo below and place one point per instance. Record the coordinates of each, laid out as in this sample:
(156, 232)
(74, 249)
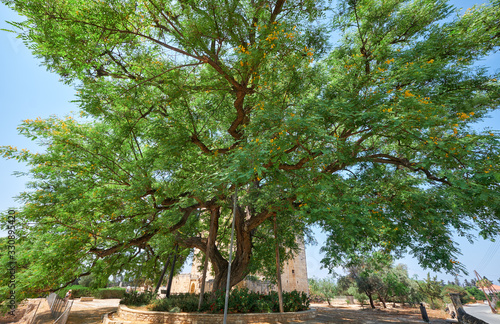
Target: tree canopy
(356, 118)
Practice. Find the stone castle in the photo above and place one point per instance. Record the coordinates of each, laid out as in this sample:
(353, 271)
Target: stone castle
(293, 277)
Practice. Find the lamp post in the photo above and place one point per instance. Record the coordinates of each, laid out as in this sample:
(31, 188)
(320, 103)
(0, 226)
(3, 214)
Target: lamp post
(228, 286)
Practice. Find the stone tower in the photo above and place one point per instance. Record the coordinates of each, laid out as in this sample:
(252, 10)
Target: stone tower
(294, 276)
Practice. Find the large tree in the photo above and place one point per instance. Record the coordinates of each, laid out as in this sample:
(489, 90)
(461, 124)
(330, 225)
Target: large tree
(370, 139)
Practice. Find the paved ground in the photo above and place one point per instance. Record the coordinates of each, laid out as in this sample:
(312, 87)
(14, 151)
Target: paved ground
(483, 311)
(91, 313)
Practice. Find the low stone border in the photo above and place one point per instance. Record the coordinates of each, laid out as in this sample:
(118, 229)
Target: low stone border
(86, 299)
(128, 314)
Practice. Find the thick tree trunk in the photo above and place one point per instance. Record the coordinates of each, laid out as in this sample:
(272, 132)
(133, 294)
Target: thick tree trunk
(243, 253)
(244, 225)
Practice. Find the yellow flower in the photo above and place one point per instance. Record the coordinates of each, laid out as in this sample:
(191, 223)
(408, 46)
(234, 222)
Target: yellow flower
(408, 94)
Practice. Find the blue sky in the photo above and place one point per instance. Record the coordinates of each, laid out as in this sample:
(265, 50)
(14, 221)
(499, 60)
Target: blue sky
(28, 90)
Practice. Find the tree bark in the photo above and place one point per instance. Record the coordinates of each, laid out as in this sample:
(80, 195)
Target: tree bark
(171, 277)
(242, 255)
(371, 300)
(278, 270)
(383, 302)
(212, 234)
(162, 274)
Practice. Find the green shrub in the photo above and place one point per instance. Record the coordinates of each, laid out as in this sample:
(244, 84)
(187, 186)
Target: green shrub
(108, 293)
(465, 296)
(294, 301)
(240, 301)
(182, 302)
(77, 291)
(475, 292)
(135, 298)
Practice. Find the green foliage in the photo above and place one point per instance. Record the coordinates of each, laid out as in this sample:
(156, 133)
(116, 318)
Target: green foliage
(177, 303)
(135, 298)
(373, 276)
(475, 292)
(399, 286)
(359, 296)
(86, 281)
(77, 291)
(110, 293)
(465, 296)
(240, 301)
(431, 289)
(415, 295)
(324, 289)
(93, 281)
(484, 283)
(186, 101)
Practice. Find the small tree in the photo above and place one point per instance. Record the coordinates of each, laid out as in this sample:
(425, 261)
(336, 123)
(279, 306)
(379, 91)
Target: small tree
(398, 283)
(431, 290)
(368, 272)
(359, 296)
(324, 288)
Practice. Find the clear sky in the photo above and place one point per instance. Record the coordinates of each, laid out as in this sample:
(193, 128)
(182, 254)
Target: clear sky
(28, 90)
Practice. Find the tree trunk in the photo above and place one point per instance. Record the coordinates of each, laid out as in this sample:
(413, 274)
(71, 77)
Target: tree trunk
(371, 300)
(383, 301)
(242, 254)
(278, 270)
(171, 277)
(162, 274)
(212, 233)
(238, 273)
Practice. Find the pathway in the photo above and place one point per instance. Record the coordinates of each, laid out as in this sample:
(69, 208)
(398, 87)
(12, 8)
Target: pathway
(482, 311)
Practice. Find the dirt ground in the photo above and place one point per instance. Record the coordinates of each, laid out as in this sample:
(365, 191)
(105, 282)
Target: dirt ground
(81, 312)
(23, 313)
(92, 312)
(356, 314)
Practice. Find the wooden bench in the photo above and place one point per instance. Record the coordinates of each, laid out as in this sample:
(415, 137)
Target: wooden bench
(84, 299)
